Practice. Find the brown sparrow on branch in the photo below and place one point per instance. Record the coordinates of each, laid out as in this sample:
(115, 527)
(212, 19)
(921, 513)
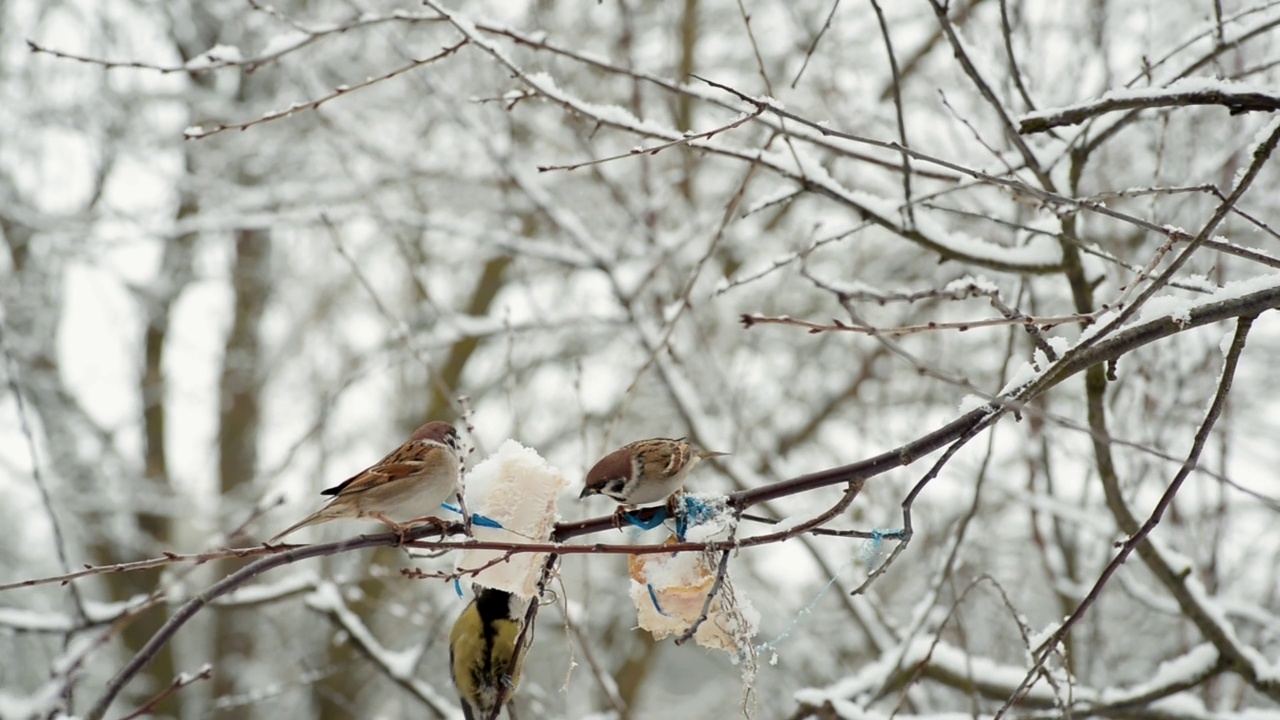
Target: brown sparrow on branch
(645, 471)
(408, 484)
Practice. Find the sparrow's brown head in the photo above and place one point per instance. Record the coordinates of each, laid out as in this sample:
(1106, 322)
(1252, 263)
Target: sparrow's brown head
(610, 476)
(437, 431)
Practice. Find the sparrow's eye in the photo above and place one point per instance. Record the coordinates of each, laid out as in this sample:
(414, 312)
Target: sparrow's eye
(615, 488)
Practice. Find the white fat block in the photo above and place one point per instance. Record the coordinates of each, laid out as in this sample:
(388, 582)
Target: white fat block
(669, 592)
(516, 488)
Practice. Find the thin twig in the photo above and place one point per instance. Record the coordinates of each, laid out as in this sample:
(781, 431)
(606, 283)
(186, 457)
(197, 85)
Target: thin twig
(1006, 30)
(898, 112)
(250, 64)
(750, 320)
(813, 46)
(167, 558)
(722, 571)
(655, 149)
(178, 683)
(37, 474)
(200, 133)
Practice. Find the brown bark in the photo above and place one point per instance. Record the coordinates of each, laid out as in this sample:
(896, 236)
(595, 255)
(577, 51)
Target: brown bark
(239, 425)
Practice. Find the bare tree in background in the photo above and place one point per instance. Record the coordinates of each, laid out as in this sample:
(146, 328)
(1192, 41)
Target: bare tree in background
(978, 289)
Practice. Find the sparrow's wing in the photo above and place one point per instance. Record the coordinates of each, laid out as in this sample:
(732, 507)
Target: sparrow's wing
(337, 489)
(666, 459)
(342, 486)
(377, 476)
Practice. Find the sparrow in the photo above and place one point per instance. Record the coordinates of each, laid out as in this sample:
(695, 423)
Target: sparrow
(483, 660)
(408, 484)
(645, 471)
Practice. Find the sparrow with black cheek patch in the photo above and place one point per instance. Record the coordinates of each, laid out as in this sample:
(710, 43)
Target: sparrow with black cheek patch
(409, 484)
(645, 471)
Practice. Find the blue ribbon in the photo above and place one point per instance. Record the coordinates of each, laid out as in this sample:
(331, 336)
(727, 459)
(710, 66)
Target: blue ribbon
(476, 518)
(653, 596)
(653, 522)
(692, 512)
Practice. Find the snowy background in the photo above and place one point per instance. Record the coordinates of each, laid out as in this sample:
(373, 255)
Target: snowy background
(247, 248)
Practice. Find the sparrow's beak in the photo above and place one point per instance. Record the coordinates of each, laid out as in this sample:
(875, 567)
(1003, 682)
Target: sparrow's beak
(585, 492)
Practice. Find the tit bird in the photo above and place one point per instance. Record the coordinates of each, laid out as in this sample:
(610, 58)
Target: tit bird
(645, 471)
(483, 660)
(408, 484)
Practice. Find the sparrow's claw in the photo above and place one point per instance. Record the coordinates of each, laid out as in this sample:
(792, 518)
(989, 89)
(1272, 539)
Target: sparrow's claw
(620, 516)
(444, 526)
(674, 504)
(398, 528)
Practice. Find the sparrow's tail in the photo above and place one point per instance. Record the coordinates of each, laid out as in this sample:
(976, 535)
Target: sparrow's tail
(324, 514)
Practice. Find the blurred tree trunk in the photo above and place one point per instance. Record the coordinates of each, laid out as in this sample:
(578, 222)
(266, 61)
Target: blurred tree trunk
(196, 28)
(449, 379)
(239, 424)
(633, 673)
(684, 105)
(174, 274)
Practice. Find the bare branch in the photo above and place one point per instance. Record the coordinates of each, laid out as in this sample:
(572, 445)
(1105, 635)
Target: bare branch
(200, 132)
(1236, 101)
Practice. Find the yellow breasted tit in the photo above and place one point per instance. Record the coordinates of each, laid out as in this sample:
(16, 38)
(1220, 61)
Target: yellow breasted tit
(482, 651)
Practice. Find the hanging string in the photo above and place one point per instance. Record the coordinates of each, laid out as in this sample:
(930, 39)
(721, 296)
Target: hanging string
(871, 550)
